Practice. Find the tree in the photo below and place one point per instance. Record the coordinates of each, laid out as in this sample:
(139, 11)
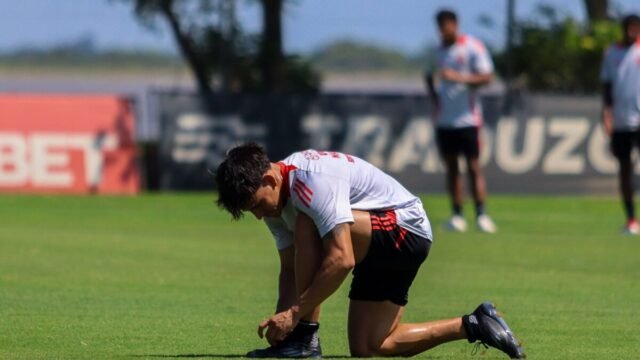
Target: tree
(212, 43)
(556, 53)
(147, 9)
(271, 45)
(597, 9)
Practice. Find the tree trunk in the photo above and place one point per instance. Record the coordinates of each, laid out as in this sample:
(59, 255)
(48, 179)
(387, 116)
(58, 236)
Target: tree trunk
(200, 74)
(271, 46)
(597, 9)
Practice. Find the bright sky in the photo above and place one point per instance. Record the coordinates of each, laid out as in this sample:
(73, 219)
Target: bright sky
(404, 24)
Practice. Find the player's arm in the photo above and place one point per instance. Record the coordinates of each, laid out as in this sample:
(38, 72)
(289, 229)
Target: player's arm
(325, 214)
(431, 88)
(469, 79)
(337, 262)
(286, 280)
(478, 79)
(428, 77)
(607, 105)
(607, 73)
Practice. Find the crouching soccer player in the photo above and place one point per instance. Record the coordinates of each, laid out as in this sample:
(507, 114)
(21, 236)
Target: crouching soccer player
(331, 213)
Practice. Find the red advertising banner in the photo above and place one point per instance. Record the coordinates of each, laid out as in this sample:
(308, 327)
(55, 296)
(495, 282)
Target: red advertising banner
(67, 144)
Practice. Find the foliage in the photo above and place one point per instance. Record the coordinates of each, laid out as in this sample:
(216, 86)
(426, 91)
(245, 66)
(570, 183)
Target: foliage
(555, 53)
(82, 54)
(352, 55)
(215, 44)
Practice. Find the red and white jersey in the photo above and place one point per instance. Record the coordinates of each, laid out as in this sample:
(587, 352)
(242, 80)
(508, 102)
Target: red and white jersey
(328, 185)
(459, 106)
(621, 68)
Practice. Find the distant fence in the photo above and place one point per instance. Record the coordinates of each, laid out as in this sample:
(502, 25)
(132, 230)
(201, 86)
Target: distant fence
(549, 144)
(67, 144)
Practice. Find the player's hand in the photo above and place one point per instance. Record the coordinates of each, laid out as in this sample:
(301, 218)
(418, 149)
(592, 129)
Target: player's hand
(452, 75)
(435, 110)
(607, 121)
(278, 326)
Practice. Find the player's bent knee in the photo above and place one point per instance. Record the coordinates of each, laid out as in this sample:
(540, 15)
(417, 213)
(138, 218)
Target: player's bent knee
(388, 348)
(361, 352)
(363, 348)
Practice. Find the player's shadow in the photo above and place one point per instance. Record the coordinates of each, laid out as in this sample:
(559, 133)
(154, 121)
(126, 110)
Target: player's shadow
(215, 356)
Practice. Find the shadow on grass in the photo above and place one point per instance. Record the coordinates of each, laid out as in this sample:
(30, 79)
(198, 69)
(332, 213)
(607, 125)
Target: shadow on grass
(188, 356)
(214, 356)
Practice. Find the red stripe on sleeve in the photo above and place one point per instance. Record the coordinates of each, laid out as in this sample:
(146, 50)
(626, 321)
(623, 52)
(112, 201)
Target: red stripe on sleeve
(303, 200)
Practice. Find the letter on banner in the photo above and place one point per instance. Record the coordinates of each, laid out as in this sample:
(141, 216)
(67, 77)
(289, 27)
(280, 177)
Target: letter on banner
(506, 157)
(50, 161)
(562, 159)
(202, 138)
(191, 138)
(14, 168)
(93, 148)
(367, 137)
(599, 152)
(319, 129)
(486, 142)
(416, 146)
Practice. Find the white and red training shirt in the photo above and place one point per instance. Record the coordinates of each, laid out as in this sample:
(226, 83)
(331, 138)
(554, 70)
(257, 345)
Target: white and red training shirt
(621, 68)
(328, 185)
(458, 105)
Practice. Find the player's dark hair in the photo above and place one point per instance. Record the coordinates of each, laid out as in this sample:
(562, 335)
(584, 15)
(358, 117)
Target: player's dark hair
(628, 21)
(239, 176)
(446, 15)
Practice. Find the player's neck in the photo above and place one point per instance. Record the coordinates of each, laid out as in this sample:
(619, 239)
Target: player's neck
(447, 43)
(629, 41)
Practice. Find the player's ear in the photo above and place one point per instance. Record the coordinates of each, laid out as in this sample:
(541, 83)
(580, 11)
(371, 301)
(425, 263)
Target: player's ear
(269, 180)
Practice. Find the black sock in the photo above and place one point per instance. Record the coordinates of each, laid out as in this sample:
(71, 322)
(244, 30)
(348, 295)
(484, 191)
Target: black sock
(480, 210)
(630, 209)
(470, 323)
(457, 209)
(305, 328)
(305, 331)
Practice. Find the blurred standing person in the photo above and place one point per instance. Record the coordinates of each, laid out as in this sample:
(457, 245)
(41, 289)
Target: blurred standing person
(462, 65)
(620, 75)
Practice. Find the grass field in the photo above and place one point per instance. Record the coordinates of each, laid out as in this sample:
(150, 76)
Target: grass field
(169, 276)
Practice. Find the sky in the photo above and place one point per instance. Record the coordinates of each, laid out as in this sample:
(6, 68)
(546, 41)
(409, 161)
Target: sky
(406, 25)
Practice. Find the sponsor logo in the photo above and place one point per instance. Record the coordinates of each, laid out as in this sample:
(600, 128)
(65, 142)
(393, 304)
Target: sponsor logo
(75, 144)
(553, 146)
(46, 159)
(200, 138)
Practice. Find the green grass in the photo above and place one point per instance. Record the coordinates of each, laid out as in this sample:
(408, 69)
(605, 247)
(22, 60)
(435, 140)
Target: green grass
(170, 276)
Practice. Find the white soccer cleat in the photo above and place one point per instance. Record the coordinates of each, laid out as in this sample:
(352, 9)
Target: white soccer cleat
(632, 228)
(457, 223)
(485, 224)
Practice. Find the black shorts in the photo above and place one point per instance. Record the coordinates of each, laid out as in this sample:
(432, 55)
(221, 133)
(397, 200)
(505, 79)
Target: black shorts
(392, 262)
(462, 141)
(622, 143)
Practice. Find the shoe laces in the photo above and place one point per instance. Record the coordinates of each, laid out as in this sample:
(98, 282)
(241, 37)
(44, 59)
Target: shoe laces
(478, 347)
